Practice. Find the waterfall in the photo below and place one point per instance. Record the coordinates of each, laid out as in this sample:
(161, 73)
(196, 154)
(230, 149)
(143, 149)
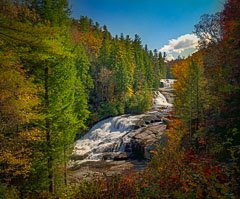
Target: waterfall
(105, 136)
(167, 83)
(159, 100)
(113, 134)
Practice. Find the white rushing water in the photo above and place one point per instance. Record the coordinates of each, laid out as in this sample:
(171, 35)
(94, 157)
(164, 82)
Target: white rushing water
(159, 100)
(167, 83)
(105, 136)
(111, 135)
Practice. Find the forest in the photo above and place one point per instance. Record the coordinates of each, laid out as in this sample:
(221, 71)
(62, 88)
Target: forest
(60, 75)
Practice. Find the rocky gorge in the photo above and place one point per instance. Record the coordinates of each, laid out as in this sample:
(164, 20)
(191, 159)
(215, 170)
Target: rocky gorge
(124, 142)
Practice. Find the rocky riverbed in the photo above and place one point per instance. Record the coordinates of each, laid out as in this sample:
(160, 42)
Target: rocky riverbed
(114, 163)
(99, 169)
(121, 144)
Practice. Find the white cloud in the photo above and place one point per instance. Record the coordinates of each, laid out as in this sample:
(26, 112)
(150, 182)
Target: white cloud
(170, 57)
(177, 46)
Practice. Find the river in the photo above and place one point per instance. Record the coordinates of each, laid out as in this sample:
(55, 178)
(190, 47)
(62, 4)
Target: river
(113, 136)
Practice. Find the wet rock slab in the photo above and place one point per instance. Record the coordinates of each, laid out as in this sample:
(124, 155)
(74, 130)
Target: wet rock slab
(93, 170)
(143, 142)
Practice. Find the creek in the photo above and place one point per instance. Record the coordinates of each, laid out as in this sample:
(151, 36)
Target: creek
(117, 138)
(111, 136)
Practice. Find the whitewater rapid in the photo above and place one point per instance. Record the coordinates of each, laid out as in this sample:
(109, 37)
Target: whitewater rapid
(113, 134)
(167, 83)
(106, 136)
(160, 101)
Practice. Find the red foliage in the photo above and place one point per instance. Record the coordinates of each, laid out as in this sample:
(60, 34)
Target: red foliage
(207, 172)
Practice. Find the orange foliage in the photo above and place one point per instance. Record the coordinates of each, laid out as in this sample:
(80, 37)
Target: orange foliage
(91, 43)
(181, 71)
(18, 12)
(18, 99)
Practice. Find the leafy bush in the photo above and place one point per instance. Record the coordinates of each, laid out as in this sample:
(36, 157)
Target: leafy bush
(7, 192)
(139, 103)
(176, 170)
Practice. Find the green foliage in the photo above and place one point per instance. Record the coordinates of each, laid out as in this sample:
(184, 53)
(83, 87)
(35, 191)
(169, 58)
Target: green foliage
(139, 102)
(174, 172)
(83, 84)
(191, 96)
(46, 56)
(120, 69)
(56, 12)
(84, 24)
(8, 192)
(59, 76)
(108, 110)
(54, 77)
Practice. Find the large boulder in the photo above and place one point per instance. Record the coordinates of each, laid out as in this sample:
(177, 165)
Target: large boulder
(147, 119)
(76, 156)
(114, 156)
(140, 123)
(146, 140)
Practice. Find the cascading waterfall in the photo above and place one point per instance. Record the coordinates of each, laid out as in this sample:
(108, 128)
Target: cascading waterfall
(113, 134)
(167, 83)
(159, 100)
(105, 136)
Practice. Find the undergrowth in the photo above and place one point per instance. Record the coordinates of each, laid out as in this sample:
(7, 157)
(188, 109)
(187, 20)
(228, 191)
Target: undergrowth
(178, 170)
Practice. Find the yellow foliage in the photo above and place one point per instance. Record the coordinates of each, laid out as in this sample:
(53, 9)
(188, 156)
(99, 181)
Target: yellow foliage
(154, 152)
(130, 91)
(18, 107)
(181, 71)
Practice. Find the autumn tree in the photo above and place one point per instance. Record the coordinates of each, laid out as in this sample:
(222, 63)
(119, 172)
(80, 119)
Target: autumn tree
(56, 75)
(18, 103)
(190, 98)
(219, 40)
(229, 122)
(20, 98)
(210, 36)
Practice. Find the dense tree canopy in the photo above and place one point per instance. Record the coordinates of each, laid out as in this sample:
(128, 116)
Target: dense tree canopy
(58, 76)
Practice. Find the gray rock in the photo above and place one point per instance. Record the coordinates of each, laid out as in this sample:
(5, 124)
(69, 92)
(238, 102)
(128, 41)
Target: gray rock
(166, 120)
(150, 119)
(76, 157)
(108, 156)
(114, 156)
(121, 156)
(140, 123)
(146, 140)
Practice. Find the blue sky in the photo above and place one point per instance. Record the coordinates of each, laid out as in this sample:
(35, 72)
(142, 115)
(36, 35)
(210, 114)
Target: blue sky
(157, 22)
